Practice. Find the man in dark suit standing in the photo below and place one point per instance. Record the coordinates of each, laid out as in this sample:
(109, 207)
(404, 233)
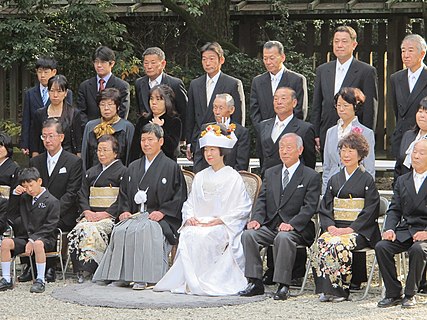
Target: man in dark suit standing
(238, 156)
(282, 217)
(406, 230)
(408, 87)
(346, 71)
(284, 121)
(203, 90)
(103, 62)
(154, 64)
(37, 97)
(61, 173)
(277, 75)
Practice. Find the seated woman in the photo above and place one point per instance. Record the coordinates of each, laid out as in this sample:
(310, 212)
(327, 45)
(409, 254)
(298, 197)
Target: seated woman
(8, 167)
(347, 102)
(109, 123)
(348, 217)
(67, 114)
(99, 206)
(209, 259)
(163, 113)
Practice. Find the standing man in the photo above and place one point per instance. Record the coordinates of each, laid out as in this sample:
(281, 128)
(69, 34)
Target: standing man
(264, 85)
(346, 71)
(406, 230)
(154, 64)
(103, 62)
(288, 200)
(203, 90)
(408, 87)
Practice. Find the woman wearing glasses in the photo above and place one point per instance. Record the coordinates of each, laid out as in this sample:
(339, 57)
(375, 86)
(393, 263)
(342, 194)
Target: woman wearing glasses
(60, 109)
(109, 123)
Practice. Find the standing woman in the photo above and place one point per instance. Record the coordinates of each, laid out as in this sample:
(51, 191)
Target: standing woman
(99, 206)
(347, 102)
(163, 113)
(109, 123)
(348, 217)
(68, 116)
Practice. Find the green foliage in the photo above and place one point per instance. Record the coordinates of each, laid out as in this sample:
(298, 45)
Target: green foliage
(195, 6)
(10, 127)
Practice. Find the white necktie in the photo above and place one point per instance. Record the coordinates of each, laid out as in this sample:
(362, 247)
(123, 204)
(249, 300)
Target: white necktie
(274, 83)
(50, 166)
(45, 96)
(153, 83)
(209, 90)
(412, 81)
(339, 78)
(277, 130)
(418, 181)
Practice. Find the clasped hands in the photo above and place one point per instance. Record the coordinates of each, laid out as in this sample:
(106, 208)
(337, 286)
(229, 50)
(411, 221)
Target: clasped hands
(391, 236)
(154, 215)
(334, 231)
(195, 222)
(256, 225)
(92, 216)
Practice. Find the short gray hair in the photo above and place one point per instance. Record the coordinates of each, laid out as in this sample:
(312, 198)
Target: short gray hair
(273, 43)
(153, 128)
(229, 101)
(421, 43)
(154, 50)
(297, 138)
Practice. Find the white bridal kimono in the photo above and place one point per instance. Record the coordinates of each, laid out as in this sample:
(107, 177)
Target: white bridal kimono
(210, 260)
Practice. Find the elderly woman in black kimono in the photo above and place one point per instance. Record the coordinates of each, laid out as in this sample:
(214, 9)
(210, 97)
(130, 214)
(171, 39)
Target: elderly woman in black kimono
(7, 165)
(110, 123)
(348, 217)
(99, 206)
(163, 113)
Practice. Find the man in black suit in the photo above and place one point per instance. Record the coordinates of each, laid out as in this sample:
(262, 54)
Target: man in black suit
(277, 75)
(103, 62)
(269, 131)
(61, 172)
(346, 71)
(288, 200)
(408, 87)
(154, 64)
(203, 90)
(406, 230)
(238, 156)
(35, 98)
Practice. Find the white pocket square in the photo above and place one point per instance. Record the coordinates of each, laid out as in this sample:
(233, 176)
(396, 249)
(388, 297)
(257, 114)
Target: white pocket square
(300, 186)
(63, 170)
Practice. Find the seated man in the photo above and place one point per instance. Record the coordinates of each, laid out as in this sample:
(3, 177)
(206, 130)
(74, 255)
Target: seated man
(405, 230)
(40, 215)
(151, 195)
(288, 199)
(238, 158)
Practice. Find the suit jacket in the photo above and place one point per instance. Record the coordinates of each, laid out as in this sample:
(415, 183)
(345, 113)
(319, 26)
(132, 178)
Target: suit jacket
(32, 102)
(295, 205)
(199, 112)
(142, 89)
(332, 161)
(41, 219)
(408, 137)
(407, 213)
(405, 104)
(7, 172)
(238, 158)
(63, 184)
(261, 100)
(359, 75)
(88, 90)
(270, 150)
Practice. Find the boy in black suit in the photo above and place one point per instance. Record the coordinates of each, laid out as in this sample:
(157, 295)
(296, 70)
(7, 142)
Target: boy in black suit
(40, 215)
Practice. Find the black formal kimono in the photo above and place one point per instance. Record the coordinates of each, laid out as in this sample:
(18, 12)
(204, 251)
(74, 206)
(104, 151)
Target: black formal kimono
(3, 214)
(124, 134)
(172, 133)
(72, 131)
(359, 185)
(7, 172)
(88, 240)
(10, 208)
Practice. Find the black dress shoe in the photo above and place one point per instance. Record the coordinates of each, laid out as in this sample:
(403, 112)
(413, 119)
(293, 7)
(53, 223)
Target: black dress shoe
(282, 292)
(355, 286)
(254, 288)
(409, 302)
(4, 285)
(267, 278)
(297, 282)
(38, 286)
(389, 302)
(26, 275)
(50, 275)
(80, 278)
(422, 290)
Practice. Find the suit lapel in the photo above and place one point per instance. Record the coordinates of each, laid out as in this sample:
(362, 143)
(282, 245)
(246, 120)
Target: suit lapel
(266, 89)
(419, 86)
(410, 187)
(330, 78)
(351, 74)
(144, 93)
(277, 182)
(292, 186)
(268, 129)
(93, 87)
(59, 165)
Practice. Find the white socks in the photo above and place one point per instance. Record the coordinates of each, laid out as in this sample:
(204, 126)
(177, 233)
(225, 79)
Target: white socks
(41, 268)
(5, 267)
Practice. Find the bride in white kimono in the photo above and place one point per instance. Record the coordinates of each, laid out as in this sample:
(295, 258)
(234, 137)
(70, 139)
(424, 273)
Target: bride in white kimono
(209, 259)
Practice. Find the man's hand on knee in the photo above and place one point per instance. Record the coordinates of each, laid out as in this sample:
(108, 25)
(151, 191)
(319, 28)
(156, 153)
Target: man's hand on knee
(420, 236)
(253, 225)
(285, 227)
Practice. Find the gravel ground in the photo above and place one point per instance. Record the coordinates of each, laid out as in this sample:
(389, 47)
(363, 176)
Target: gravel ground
(21, 304)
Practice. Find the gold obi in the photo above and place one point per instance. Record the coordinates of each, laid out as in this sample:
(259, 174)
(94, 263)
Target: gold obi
(348, 209)
(103, 197)
(4, 191)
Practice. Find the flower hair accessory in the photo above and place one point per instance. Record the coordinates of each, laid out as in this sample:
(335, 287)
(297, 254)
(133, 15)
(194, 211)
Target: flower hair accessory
(357, 130)
(212, 136)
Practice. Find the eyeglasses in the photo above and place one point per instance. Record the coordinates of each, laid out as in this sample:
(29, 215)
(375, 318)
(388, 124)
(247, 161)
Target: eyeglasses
(104, 150)
(343, 106)
(49, 137)
(107, 105)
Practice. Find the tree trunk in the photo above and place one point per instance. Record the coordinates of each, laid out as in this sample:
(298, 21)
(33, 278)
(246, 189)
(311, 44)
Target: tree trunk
(216, 18)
